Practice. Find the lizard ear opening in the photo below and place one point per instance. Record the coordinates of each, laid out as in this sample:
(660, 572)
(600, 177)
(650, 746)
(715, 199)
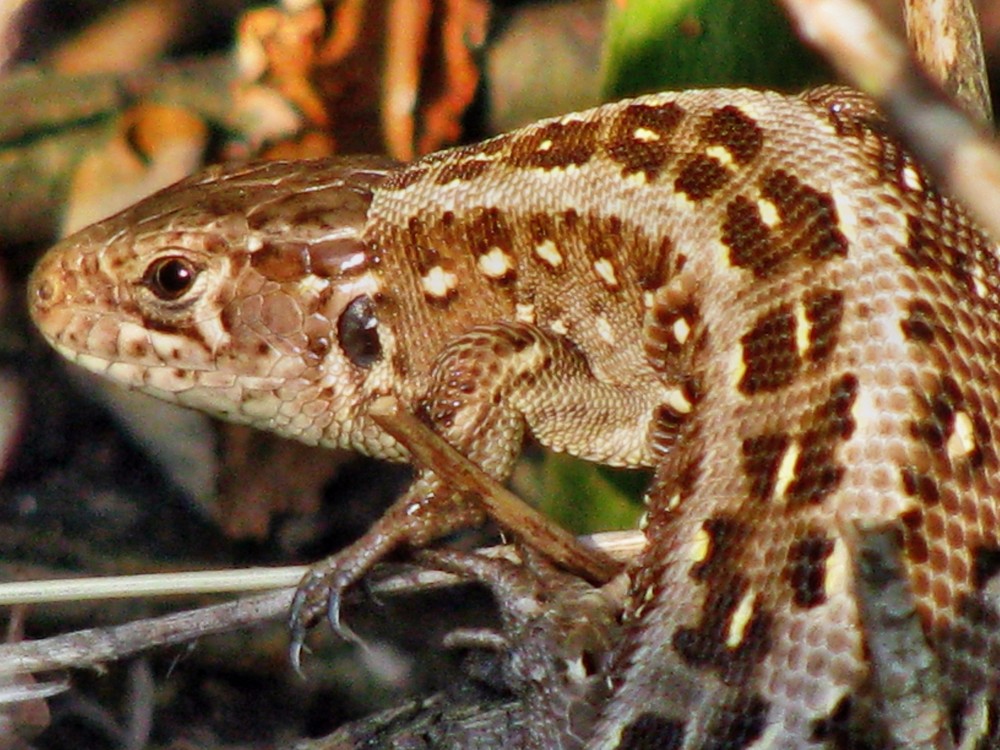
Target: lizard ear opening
(357, 331)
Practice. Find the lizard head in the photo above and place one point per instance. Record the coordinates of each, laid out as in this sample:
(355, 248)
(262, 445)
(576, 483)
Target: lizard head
(246, 292)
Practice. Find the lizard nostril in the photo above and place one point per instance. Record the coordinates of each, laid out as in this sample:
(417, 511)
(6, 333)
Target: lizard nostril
(44, 291)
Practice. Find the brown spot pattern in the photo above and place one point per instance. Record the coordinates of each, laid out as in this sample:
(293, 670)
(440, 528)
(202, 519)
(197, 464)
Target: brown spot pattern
(921, 485)
(805, 569)
(735, 131)
(462, 169)
(770, 352)
(938, 407)
(928, 249)
(817, 473)
(635, 154)
(653, 269)
(824, 310)
(704, 646)
(662, 346)
(737, 724)
(921, 323)
(809, 220)
(761, 460)
(700, 177)
(750, 241)
(556, 145)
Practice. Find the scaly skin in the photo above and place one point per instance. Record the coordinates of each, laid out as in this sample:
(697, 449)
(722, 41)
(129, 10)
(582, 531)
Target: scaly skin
(762, 297)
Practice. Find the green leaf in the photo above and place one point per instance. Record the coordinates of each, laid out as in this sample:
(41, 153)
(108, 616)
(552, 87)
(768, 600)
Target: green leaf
(582, 497)
(659, 44)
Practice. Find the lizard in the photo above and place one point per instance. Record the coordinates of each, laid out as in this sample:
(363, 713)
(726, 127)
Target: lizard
(764, 298)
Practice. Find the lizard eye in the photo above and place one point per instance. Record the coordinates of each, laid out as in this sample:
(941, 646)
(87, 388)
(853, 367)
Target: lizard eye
(171, 277)
(357, 331)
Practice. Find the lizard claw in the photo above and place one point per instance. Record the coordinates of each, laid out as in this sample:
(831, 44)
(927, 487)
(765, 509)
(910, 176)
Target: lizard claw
(321, 592)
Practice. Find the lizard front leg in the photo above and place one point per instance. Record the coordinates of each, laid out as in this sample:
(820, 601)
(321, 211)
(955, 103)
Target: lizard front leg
(486, 387)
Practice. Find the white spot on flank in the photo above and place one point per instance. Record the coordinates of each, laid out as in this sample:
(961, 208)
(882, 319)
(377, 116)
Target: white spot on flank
(524, 313)
(700, 546)
(254, 243)
(836, 570)
(604, 329)
(645, 135)
(647, 300)
(911, 178)
(545, 145)
(439, 283)
(802, 329)
(549, 253)
(495, 264)
(738, 625)
(738, 367)
(558, 326)
(962, 440)
(681, 330)
(606, 270)
(720, 154)
(786, 471)
(768, 212)
(636, 179)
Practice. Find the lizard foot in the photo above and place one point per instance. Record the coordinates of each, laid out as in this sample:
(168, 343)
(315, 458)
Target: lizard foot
(322, 589)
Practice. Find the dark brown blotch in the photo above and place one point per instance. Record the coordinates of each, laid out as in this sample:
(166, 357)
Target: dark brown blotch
(700, 177)
(762, 457)
(556, 145)
(817, 473)
(921, 322)
(809, 220)
(705, 647)
(938, 408)
(805, 569)
(646, 155)
(487, 228)
(653, 270)
(824, 310)
(462, 170)
(750, 241)
(735, 131)
(737, 724)
(770, 352)
(920, 485)
(932, 247)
